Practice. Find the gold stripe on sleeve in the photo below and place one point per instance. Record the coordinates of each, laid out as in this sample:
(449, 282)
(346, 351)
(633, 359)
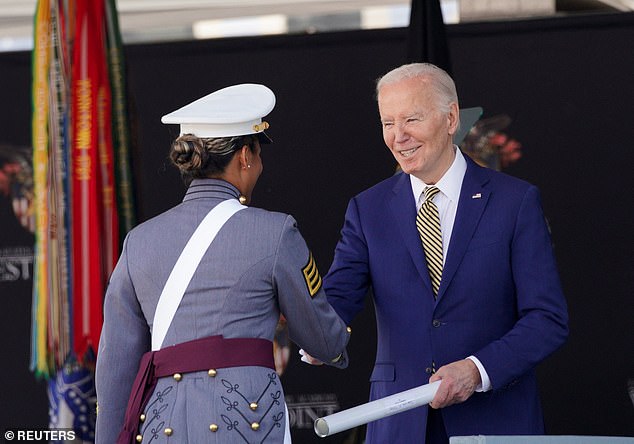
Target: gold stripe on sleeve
(311, 276)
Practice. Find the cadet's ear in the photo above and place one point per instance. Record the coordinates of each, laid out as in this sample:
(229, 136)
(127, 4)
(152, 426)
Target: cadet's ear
(243, 155)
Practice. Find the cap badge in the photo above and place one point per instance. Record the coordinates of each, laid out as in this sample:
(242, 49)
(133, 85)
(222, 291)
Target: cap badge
(261, 127)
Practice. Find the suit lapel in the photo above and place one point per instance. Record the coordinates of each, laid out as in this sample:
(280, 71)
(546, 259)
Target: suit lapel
(403, 209)
(471, 205)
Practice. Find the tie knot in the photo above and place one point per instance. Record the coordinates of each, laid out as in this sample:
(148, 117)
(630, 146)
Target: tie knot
(430, 192)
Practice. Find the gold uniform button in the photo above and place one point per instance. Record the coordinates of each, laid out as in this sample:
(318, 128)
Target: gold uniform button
(142, 417)
(212, 372)
(139, 438)
(255, 426)
(253, 406)
(178, 377)
(213, 427)
(349, 330)
(168, 431)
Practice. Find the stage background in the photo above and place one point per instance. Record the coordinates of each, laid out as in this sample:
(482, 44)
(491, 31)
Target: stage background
(566, 82)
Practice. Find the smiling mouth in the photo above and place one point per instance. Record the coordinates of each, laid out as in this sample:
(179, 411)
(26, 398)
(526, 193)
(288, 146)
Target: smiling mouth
(408, 153)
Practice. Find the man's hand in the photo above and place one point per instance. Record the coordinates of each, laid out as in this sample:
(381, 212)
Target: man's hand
(308, 358)
(459, 381)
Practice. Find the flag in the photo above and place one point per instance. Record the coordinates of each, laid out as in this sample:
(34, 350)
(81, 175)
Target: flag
(427, 39)
(78, 152)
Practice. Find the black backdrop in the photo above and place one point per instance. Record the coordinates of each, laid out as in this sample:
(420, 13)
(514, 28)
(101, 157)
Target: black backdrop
(567, 83)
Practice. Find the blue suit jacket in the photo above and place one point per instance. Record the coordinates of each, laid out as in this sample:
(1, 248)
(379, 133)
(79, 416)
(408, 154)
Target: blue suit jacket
(500, 299)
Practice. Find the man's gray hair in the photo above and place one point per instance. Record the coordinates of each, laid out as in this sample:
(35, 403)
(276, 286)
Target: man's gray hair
(439, 80)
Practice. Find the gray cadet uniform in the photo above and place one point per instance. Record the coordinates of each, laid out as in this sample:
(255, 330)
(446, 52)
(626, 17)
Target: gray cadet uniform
(257, 266)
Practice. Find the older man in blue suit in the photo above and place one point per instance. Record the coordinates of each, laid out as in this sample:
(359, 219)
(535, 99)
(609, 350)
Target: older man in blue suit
(462, 272)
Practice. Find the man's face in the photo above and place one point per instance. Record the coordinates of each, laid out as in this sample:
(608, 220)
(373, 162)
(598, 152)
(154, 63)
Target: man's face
(415, 130)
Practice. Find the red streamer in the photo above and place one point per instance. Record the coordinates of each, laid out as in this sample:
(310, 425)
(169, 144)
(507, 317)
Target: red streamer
(94, 225)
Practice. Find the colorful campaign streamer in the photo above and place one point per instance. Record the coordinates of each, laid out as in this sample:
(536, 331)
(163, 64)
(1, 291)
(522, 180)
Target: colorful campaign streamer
(41, 63)
(120, 123)
(86, 223)
(80, 145)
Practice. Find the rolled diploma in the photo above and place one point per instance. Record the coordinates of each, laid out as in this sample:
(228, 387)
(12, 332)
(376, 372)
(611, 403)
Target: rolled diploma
(377, 409)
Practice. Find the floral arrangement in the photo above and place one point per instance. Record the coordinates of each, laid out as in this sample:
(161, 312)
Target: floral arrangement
(487, 145)
(16, 182)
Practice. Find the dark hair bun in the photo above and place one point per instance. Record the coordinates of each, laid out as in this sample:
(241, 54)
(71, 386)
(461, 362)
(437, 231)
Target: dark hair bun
(188, 153)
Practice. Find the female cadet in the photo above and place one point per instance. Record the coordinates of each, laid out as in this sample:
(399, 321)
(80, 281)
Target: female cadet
(186, 350)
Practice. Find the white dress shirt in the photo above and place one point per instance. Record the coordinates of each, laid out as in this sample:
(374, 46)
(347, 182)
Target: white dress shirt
(447, 202)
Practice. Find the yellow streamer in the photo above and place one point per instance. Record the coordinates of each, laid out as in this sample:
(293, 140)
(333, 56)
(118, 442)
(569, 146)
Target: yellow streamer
(41, 62)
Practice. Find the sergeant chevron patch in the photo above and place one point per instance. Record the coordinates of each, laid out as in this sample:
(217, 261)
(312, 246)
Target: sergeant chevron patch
(311, 276)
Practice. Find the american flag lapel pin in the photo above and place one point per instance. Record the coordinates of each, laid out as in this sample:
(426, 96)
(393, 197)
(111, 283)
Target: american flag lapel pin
(476, 196)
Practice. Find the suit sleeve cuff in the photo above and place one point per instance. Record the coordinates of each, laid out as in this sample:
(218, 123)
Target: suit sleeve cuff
(485, 386)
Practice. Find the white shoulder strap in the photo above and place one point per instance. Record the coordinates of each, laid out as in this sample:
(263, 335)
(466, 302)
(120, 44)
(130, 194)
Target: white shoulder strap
(186, 265)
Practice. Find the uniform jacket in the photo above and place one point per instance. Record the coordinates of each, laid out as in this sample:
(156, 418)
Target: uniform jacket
(500, 300)
(255, 269)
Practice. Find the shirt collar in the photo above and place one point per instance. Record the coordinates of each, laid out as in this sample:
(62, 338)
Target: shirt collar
(210, 188)
(449, 184)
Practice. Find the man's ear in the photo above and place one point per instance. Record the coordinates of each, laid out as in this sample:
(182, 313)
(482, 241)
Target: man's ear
(454, 118)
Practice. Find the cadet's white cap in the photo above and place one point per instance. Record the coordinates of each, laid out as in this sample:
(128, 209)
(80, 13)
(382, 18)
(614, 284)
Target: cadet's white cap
(232, 111)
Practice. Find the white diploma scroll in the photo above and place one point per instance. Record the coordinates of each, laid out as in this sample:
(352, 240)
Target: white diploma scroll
(377, 409)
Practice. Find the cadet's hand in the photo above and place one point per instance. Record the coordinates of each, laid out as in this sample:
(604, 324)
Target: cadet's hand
(308, 358)
(459, 381)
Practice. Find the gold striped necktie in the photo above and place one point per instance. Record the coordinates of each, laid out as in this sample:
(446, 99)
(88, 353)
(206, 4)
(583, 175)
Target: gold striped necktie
(428, 224)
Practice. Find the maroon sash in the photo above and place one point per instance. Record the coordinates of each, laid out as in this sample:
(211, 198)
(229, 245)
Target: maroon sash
(193, 356)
